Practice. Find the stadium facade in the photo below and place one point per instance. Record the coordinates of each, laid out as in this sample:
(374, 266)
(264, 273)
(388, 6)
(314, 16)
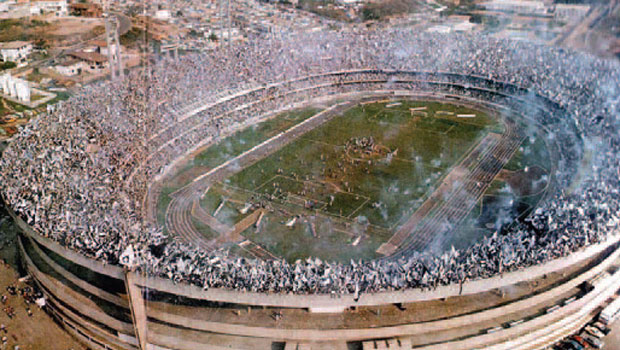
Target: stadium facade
(107, 307)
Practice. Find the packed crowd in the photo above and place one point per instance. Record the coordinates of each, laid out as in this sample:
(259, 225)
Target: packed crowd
(79, 174)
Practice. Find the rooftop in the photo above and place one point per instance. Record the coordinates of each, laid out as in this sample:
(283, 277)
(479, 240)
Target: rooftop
(89, 56)
(14, 44)
(100, 43)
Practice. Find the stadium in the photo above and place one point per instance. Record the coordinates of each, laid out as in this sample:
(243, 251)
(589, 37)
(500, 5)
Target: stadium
(377, 190)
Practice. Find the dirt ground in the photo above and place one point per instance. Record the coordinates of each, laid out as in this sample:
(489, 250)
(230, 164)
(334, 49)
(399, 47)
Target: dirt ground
(71, 26)
(56, 31)
(35, 332)
(28, 332)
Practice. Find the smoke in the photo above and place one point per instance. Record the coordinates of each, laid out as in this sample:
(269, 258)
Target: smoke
(537, 184)
(506, 212)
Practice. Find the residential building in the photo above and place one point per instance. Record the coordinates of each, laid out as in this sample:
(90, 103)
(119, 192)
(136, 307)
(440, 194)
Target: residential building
(15, 51)
(93, 62)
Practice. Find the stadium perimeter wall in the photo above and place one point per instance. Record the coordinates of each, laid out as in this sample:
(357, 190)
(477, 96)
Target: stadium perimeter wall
(78, 303)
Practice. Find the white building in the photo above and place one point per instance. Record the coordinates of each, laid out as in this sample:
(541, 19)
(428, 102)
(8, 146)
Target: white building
(5, 6)
(524, 7)
(163, 15)
(15, 87)
(57, 7)
(570, 12)
(70, 68)
(25, 8)
(15, 51)
(439, 29)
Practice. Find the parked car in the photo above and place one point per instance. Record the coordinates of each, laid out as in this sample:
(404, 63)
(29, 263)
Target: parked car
(595, 332)
(580, 340)
(602, 327)
(596, 343)
(575, 344)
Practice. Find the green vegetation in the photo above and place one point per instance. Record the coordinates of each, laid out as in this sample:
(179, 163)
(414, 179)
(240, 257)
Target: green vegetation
(374, 11)
(491, 23)
(60, 96)
(19, 29)
(250, 137)
(35, 75)
(305, 177)
(7, 65)
(133, 36)
(324, 8)
(354, 199)
(230, 148)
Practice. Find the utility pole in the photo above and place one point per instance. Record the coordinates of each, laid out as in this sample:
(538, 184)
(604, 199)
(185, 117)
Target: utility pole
(117, 50)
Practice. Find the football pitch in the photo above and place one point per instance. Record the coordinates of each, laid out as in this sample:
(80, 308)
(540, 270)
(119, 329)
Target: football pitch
(342, 189)
(349, 182)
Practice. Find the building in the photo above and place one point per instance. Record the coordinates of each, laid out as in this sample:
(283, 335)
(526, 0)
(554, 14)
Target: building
(92, 62)
(163, 15)
(15, 51)
(570, 12)
(159, 30)
(86, 10)
(57, 7)
(25, 8)
(101, 47)
(530, 8)
(70, 67)
(439, 29)
(15, 87)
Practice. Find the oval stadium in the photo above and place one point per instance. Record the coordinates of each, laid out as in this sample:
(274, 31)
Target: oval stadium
(377, 190)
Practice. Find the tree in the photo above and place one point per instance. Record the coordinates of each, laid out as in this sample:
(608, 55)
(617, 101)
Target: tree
(41, 44)
(8, 65)
(213, 37)
(370, 14)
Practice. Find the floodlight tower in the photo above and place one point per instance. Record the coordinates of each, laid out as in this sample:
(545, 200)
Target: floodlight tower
(229, 31)
(220, 18)
(112, 25)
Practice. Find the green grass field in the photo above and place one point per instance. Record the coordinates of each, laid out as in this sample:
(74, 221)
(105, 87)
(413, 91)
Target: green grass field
(227, 148)
(353, 197)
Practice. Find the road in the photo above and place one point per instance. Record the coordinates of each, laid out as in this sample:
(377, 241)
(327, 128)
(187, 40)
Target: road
(585, 35)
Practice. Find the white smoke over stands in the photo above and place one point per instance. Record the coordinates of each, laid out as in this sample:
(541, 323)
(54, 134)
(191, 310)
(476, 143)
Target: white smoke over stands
(91, 202)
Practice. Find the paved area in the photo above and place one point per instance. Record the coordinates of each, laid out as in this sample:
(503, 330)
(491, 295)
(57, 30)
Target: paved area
(612, 340)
